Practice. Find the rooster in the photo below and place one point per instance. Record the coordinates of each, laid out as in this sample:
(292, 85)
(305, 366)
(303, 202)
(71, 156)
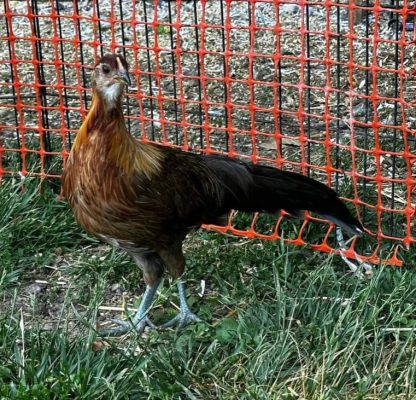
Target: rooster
(145, 198)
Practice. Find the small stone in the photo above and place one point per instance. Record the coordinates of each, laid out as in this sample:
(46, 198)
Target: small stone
(116, 287)
(35, 288)
(98, 345)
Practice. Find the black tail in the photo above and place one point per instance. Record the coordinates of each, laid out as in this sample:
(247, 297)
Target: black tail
(249, 187)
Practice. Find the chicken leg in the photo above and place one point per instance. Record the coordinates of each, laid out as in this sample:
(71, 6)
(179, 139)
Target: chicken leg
(140, 319)
(185, 314)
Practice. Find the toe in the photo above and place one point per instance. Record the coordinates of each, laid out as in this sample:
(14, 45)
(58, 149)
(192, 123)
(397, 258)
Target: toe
(121, 323)
(142, 324)
(125, 326)
(194, 318)
(116, 331)
(171, 322)
(181, 320)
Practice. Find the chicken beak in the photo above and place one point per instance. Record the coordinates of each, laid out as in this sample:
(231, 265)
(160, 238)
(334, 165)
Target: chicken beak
(124, 77)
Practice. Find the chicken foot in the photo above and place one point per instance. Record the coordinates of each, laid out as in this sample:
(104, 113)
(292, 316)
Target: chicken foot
(185, 314)
(140, 320)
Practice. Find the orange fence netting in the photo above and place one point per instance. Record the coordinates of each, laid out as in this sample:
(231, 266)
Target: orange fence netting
(325, 88)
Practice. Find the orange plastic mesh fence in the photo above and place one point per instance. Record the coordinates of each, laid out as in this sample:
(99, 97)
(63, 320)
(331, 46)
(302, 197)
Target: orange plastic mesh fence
(325, 88)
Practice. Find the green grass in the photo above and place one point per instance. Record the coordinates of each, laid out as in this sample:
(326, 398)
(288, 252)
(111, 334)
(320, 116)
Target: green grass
(282, 322)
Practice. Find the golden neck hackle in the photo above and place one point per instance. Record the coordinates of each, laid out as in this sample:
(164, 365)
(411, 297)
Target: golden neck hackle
(82, 135)
(107, 129)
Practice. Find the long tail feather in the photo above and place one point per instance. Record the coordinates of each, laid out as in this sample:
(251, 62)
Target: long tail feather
(250, 187)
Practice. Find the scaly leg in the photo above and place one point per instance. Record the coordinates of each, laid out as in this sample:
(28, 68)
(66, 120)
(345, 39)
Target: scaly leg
(185, 315)
(140, 319)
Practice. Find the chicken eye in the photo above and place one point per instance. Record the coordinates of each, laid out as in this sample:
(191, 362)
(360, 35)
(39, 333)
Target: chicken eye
(106, 69)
